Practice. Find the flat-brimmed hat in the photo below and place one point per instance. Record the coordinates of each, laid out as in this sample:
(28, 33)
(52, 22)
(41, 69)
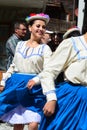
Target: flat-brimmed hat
(70, 30)
(40, 16)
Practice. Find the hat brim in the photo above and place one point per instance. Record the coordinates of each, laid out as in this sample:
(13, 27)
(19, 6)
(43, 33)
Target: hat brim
(70, 31)
(38, 18)
(49, 32)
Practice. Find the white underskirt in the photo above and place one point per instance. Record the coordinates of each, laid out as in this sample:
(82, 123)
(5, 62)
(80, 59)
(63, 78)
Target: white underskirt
(21, 116)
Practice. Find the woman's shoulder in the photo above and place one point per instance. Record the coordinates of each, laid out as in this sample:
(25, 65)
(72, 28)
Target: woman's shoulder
(20, 44)
(44, 45)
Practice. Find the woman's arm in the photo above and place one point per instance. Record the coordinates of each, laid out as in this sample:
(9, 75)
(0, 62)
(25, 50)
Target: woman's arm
(7, 75)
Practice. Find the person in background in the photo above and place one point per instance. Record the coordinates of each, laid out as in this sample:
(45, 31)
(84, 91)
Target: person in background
(72, 32)
(67, 109)
(18, 104)
(20, 30)
(56, 38)
(47, 37)
(52, 39)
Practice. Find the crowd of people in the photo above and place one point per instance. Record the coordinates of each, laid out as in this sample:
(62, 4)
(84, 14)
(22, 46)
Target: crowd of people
(45, 84)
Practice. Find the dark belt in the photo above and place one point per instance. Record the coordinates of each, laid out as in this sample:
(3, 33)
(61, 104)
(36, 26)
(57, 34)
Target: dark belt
(74, 84)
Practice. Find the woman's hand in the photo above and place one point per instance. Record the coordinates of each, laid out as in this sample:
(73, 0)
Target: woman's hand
(1, 88)
(49, 108)
(30, 84)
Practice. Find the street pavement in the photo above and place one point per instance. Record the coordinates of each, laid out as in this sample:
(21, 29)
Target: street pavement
(5, 126)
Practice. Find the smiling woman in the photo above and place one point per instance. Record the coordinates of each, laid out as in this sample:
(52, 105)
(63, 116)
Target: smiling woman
(30, 58)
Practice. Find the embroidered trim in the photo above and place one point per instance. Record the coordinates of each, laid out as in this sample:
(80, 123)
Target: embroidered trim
(52, 91)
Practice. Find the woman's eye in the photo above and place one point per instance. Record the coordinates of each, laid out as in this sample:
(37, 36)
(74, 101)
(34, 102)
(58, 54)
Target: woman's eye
(38, 26)
(44, 27)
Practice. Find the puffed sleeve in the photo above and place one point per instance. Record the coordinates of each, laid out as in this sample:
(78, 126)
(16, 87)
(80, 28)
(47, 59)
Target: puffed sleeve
(10, 71)
(8, 74)
(57, 63)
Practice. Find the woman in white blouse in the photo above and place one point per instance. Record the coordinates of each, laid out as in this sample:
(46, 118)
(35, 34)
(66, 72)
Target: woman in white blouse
(18, 104)
(67, 100)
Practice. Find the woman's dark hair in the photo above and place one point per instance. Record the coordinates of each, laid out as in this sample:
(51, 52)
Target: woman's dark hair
(74, 34)
(31, 22)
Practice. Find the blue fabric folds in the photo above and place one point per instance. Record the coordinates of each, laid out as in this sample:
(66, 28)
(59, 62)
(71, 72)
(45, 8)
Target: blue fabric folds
(16, 93)
(71, 109)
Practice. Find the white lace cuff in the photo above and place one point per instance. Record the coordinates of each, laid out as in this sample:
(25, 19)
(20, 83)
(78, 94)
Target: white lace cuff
(37, 80)
(2, 83)
(51, 96)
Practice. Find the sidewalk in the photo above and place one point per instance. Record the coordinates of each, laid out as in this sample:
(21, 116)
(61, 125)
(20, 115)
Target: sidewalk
(5, 126)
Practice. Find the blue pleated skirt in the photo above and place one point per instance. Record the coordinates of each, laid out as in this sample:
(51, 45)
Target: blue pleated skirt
(71, 109)
(17, 100)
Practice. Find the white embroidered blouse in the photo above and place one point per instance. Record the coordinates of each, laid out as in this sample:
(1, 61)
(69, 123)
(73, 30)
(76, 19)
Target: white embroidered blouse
(70, 57)
(28, 60)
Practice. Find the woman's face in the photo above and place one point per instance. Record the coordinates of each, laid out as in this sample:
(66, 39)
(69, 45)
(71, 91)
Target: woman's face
(37, 29)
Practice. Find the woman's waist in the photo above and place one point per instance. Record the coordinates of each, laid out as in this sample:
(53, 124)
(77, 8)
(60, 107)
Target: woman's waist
(76, 79)
(76, 82)
(24, 73)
